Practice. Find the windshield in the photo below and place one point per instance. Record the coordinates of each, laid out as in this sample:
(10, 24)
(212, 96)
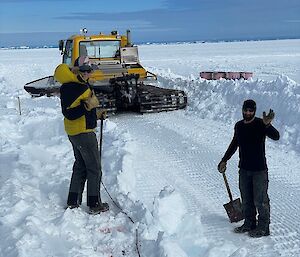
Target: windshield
(100, 49)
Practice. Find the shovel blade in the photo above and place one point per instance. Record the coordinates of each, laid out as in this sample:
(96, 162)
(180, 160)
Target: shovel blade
(234, 210)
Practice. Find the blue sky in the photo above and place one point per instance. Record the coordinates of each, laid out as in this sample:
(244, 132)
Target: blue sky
(39, 22)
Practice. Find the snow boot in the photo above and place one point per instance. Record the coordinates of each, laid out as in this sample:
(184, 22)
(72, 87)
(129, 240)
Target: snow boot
(259, 232)
(73, 206)
(244, 228)
(102, 207)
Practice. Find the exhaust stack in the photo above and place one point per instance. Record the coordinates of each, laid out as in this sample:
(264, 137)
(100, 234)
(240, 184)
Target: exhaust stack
(128, 34)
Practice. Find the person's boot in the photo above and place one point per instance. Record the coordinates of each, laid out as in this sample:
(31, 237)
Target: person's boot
(98, 208)
(73, 206)
(259, 232)
(245, 228)
(72, 201)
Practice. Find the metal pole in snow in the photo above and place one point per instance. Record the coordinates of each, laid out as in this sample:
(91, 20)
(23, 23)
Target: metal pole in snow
(19, 104)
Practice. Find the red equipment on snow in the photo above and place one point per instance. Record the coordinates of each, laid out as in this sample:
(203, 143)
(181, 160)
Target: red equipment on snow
(214, 75)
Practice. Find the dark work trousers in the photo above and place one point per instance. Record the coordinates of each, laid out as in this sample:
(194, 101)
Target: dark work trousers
(86, 168)
(254, 193)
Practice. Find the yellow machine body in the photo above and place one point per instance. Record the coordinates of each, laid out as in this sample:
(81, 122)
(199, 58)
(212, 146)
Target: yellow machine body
(112, 55)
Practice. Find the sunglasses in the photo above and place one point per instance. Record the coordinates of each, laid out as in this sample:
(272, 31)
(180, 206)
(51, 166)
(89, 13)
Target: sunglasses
(248, 110)
(84, 70)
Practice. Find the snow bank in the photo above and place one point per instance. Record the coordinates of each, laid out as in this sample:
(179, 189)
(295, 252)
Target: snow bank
(222, 100)
(165, 228)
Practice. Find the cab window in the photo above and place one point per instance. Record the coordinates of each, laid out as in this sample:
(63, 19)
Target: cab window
(67, 57)
(100, 49)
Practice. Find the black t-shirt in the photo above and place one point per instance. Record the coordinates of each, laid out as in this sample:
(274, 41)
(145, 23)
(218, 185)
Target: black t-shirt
(250, 139)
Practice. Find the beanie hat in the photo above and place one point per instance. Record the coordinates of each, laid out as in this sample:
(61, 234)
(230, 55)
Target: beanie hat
(83, 63)
(249, 104)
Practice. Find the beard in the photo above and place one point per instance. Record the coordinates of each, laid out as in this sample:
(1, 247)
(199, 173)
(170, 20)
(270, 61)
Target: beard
(248, 117)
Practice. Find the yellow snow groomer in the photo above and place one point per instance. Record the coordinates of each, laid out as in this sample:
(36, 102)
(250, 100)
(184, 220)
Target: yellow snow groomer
(118, 79)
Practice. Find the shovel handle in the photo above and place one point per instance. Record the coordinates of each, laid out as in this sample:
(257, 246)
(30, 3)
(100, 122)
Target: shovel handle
(227, 187)
(100, 140)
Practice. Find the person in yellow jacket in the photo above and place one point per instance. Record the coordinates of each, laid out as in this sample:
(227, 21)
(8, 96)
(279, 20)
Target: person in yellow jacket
(78, 103)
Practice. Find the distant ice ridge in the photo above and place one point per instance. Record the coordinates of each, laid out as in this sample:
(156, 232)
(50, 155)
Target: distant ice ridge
(26, 47)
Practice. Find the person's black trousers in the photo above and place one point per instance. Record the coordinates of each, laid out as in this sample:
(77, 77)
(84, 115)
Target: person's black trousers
(86, 167)
(254, 193)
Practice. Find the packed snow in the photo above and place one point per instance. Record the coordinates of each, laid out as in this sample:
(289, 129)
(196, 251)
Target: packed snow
(159, 170)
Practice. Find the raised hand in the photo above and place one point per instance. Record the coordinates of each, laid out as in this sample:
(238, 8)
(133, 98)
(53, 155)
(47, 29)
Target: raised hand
(267, 119)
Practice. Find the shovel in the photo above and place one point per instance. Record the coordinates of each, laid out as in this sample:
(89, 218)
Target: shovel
(234, 207)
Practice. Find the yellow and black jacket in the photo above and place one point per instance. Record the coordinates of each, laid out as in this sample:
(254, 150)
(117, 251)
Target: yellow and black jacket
(72, 94)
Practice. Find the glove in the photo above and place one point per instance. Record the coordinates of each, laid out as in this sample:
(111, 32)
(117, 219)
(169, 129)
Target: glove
(91, 102)
(222, 167)
(101, 114)
(267, 119)
(92, 81)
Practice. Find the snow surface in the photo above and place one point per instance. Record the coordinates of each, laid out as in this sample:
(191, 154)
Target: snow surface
(159, 168)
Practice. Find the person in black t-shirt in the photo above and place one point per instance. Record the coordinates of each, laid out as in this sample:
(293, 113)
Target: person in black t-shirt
(249, 136)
